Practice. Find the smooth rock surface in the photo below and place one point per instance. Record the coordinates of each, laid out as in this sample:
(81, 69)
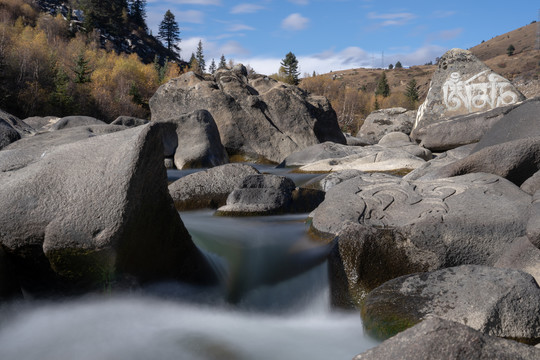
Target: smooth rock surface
(129, 121)
(74, 121)
(462, 84)
(257, 116)
(384, 121)
(521, 255)
(86, 213)
(209, 188)
(41, 123)
(198, 144)
(398, 140)
(533, 224)
(16, 123)
(532, 184)
(497, 302)
(440, 161)
(438, 339)
(8, 134)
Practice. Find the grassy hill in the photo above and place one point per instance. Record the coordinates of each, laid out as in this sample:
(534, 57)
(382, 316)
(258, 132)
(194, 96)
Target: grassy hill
(522, 68)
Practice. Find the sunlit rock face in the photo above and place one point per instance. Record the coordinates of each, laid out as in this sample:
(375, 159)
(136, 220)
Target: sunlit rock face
(463, 85)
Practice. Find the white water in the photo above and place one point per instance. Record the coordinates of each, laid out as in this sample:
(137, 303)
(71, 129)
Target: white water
(272, 273)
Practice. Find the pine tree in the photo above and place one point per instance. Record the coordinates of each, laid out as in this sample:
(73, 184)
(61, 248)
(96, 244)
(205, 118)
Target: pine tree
(200, 57)
(137, 13)
(82, 70)
(382, 86)
(61, 98)
(411, 92)
(170, 33)
(289, 66)
(510, 50)
(391, 66)
(105, 15)
(222, 62)
(398, 65)
(212, 68)
(194, 64)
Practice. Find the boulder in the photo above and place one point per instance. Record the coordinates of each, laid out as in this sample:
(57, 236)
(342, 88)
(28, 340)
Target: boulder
(7, 134)
(521, 255)
(497, 302)
(398, 140)
(197, 140)
(129, 121)
(260, 195)
(86, 213)
(20, 126)
(384, 121)
(74, 121)
(313, 153)
(520, 123)
(516, 161)
(209, 188)
(439, 339)
(460, 130)
(356, 141)
(257, 116)
(395, 227)
(533, 224)
(440, 161)
(328, 181)
(532, 184)
(41, 123)
(462, 84)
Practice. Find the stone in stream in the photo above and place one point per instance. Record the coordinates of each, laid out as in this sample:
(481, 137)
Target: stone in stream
(438, 339)
(209, 188)
(74, 121)
(462, 84)
(497, 302)
(81, 214)
(193, 140)
(255, 116)
(384, 121)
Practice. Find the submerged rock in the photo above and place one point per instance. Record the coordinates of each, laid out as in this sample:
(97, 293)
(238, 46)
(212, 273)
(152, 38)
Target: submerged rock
(438, 339)
(497, 302)
(86, 213)
(256, 116)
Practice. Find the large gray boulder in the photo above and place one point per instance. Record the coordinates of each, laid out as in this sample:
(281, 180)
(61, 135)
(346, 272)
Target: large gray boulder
(16, 123)
(533, 224)
(440, 161)
(209, 188)
(462, 84)
(260, 195)
(197, 141)
(397, 227)
(532, 184)
(515, 160)
(7, 134)
(399, 140)
(497, 302)
(521, 255)
(41, 123)
(460, 130)
(523, 121)
(384, 121)
(257, 116)
(129, 121)
(74, 121)
(438, 339)
(86, 213)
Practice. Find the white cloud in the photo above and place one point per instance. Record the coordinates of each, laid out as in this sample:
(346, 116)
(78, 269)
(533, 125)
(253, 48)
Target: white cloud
(300, 2)
(246, 9)
(212, 49)
(240, 27)
(392, 19)
(190, 16)
(295, 22)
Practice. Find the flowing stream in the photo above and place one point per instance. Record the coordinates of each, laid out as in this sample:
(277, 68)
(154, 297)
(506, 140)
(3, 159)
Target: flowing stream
(272, 303)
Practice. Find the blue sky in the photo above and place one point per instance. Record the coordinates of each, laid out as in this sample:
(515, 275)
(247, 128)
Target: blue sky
(337, 34)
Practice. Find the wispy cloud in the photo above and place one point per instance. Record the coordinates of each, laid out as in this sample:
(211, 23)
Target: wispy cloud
(190, 16)
(443, 13)
(300, 2)
(295, 22)
(446, 35)
(392, 19)
(240, 27)
(246, 9)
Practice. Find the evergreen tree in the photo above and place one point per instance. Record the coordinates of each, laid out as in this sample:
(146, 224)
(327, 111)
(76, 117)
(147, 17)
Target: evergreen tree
(200, 57)
(194, 64)
(390, 66)
(510, 50)
(289, 67)
(398, 65)
(61, 99)
(411, 92)
(105, 15)
(222, 62)
(212, 68)
(82, 70)
(382, 86)
(170, 33)
(137, 13)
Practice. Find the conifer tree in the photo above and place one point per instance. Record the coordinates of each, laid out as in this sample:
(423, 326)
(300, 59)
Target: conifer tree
(398, 65)
(212, 68)
(194, 64)
(200, 57)
(382, 86)
(222, 62)
(411, 92)
(82, 70)
(510, 50)
(137, 13)
(105, 15)
(289, 67)
(170, 33)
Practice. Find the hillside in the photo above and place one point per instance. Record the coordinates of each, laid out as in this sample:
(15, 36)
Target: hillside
(522, 68)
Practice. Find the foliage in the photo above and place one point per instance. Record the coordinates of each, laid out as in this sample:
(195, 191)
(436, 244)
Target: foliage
(137, 13)
(411, 92)
(212, 68)
(398, 65)
(82, 70)
(510, 50)
(289, 69)
(382, 86)
(390, 67)
(170, 33)
(222, 62)
(200, 57)
(110, 15)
